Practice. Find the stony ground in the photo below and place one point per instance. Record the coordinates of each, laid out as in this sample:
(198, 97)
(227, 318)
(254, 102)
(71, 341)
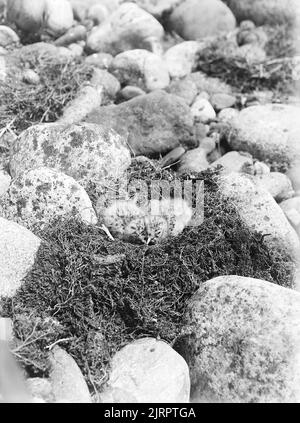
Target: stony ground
(149, 201)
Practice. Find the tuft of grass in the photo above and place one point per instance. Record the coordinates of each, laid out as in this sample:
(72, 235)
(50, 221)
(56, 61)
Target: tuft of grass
(274, 73)
(23, 104)
(92, 309)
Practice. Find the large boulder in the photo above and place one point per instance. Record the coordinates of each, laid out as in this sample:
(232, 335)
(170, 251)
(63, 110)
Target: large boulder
(153, 124)
(87, 152)
(196, 19)
(269, 132)
(260, 212)
(18, 248)
(263, 12)
(37, 196)
(140, 68)
(129, 27)
(241, 340)
(148, 371)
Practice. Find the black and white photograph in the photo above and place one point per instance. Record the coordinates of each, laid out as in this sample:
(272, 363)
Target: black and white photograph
(149, 205)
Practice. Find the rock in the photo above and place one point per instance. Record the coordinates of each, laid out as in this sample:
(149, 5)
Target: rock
(129, 27)
(226, 115)
(208, 144)
(58, 16)
(181, 59)
(149, 371)
(5, 180)
(26, 14)
(141, 68)
(209, 84)
(6, 329)
(261, 168)
(278, 185)
(40, 389)
(40, 195)
(172, 157)
(260, 212)
(18, 248)
(130, 92)
(154, 123)
(86, 152)
(193, 161)
(8, 37)
(99, 60)
(76, 49)
(202, 110)
(240, 339)
(101, 78)
(269, 132)
(31, 77)
(74, 34)
(158, 8)
(68, 384)
(291, 208)
(263, 12)
(89, 9)
(184, 88)
(222, 101)
(234, 162)
(194, 19)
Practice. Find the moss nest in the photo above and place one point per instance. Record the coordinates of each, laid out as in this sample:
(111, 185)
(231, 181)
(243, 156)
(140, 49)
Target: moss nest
(274, 73)
(92, 309)
(23, 104)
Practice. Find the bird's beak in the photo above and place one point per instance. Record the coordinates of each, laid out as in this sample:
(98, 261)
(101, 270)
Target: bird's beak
(149, 240)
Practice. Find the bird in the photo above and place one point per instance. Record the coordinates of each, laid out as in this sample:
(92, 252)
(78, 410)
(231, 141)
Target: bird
(119, 214)
(159, 220)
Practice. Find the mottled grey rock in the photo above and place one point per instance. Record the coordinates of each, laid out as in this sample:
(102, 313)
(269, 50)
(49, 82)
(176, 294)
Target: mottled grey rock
(269, 132)
(260, 212)
(26, 14)
(110, 84)
(127, 28)
(68, 384)
(194, 19)
(241, 340)
(57, 16)
(40, 195)
(87, 152)
(153, 124)
(148, 370)
(18, 248)
(140, 68)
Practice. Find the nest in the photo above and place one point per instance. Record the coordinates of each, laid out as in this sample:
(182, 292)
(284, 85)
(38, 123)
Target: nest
(93, 295)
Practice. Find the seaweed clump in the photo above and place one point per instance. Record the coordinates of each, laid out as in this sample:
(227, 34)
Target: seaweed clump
(92, 308)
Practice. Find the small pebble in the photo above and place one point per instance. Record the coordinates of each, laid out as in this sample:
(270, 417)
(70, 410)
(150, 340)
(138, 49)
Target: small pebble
(31, 77)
